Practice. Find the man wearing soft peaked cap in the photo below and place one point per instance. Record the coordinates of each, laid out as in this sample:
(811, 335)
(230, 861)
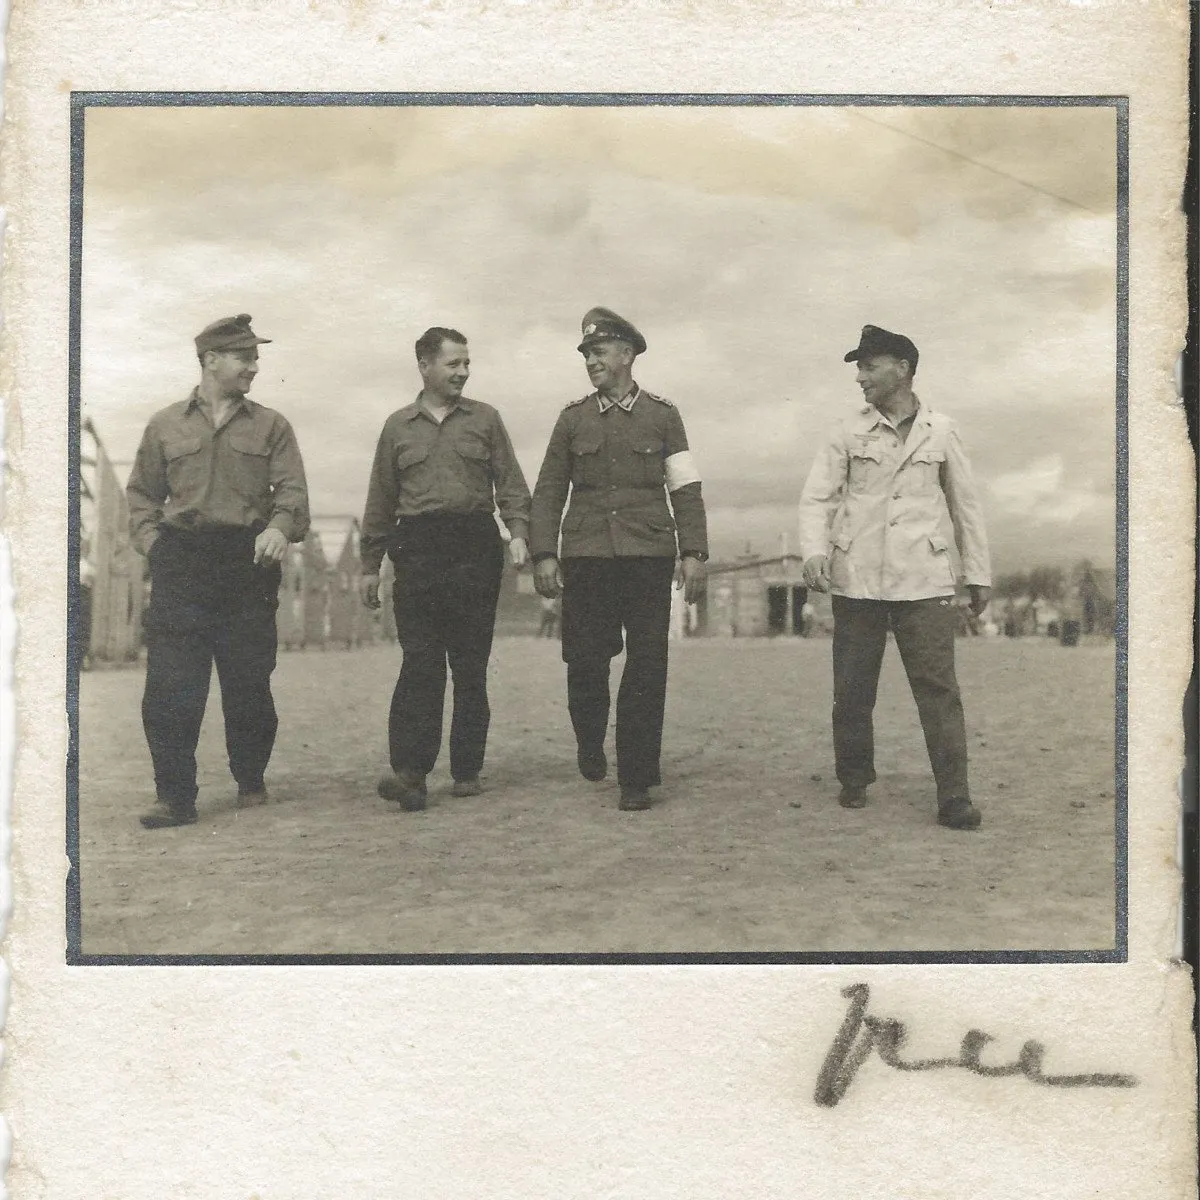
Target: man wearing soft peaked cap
(871, 533)
(216, 494)
(619, 451)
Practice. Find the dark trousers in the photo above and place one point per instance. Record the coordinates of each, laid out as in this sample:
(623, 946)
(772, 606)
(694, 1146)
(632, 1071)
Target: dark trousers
(208, 602)
(924, 631)
(448, 572)
(601, 598)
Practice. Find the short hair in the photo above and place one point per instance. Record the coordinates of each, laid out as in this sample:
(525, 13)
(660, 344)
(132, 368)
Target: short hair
(430, 342)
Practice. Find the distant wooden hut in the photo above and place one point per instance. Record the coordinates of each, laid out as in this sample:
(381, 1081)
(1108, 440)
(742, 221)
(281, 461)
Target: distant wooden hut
(761, 597)
(349, 622)
(112, 574)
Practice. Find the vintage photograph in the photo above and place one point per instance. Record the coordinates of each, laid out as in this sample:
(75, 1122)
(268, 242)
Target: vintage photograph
(631, 528)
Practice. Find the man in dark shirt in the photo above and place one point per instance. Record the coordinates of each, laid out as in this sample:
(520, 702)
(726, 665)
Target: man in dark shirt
(443, 466)
(216, 494)
(620, 450)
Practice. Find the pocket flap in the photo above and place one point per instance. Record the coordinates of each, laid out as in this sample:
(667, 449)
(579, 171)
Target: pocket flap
(938, 543)
(929, 456)
(246, 441)
(573, 520)
(407, 456)
(473, 448)
(867, 451)
(652, 448)
(179, 447)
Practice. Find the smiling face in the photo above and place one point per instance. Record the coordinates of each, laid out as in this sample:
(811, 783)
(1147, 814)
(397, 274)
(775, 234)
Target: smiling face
(882, 376)
(609, 363)
(232, 371)
(445, 375)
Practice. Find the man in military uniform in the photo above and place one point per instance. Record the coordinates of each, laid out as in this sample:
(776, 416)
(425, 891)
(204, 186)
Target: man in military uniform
(621, 450)
(444, 464)
(216, 494)
(871, 532)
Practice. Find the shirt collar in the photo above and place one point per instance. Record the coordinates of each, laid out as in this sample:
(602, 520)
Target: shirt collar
(872, 417)
(626, 402)
(195, 400)
(416, 408)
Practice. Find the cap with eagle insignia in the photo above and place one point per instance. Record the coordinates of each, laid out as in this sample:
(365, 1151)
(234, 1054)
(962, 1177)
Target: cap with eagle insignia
(603, 325)
(229, 333)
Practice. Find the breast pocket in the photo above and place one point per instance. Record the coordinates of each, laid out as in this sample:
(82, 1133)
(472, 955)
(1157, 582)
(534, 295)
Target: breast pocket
(866, 468)
(585, 460)
(922, 472)
(476, 458)
(185, 468)
(251, 462)
(648, 468)
(411, 474)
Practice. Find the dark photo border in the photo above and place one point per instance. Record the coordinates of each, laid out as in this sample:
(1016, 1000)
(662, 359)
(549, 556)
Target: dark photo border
(81, 102)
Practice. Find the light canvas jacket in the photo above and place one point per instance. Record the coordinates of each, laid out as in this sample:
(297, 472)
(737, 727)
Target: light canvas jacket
(874, 503)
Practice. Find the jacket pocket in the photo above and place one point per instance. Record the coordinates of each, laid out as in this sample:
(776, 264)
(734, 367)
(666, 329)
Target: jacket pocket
(251, 461)
(185, 468)
(943, 568)
(585, 460)
(649, 469)
(409, 456)
(866, 468)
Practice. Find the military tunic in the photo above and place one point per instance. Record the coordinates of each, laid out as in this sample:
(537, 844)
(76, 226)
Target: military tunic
(619, 540)
(618, 461)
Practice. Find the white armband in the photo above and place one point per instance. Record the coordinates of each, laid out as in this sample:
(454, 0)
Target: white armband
(681, 470)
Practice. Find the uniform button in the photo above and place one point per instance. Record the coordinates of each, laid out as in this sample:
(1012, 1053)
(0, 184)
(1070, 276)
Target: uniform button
(896, 496)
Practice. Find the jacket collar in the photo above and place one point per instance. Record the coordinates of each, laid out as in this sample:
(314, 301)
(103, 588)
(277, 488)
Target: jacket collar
(626, 403)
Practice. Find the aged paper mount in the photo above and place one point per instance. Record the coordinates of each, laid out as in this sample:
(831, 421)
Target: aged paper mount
(594, 1080)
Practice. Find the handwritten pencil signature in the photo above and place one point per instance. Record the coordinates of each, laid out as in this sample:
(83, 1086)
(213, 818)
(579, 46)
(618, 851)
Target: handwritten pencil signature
(860, 1034)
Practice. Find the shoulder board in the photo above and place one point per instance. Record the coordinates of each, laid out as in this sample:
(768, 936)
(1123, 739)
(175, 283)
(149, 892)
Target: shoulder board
(581, 400)
(660, 399)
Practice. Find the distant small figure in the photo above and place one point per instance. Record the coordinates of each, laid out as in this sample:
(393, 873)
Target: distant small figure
(549, 626)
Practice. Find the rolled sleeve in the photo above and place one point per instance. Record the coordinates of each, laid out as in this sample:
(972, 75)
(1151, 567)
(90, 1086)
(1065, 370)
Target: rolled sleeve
(512, 492)
(289, 488)
(146, 490)
(822, 495)
(966, 513)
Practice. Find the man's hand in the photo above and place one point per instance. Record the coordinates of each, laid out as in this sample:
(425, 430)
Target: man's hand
(980, 596)
(816, 573)
(690, 574)
(270, 546)
(547, 578)
(518, 551)
(368, 589)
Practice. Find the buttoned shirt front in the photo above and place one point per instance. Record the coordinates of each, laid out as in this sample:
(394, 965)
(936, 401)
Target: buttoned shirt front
(874, 503)
(246, 473)
(618, 462)
(463, 465)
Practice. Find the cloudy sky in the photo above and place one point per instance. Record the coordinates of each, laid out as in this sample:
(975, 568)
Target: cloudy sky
(748, 244)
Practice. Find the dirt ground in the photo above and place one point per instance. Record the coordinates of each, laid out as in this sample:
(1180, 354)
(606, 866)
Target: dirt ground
(543, 862)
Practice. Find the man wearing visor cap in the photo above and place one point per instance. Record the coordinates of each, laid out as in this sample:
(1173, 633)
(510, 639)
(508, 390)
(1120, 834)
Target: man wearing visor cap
(872, 533)
(216, 494)
(619, 452)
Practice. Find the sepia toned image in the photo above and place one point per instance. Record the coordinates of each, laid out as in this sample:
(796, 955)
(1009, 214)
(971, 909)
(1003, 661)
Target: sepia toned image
(598, 529)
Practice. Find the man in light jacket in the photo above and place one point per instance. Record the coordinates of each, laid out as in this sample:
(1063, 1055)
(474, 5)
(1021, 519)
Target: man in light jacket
(871, 532)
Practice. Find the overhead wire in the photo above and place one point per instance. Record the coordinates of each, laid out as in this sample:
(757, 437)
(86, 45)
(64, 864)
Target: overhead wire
(916, 137)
